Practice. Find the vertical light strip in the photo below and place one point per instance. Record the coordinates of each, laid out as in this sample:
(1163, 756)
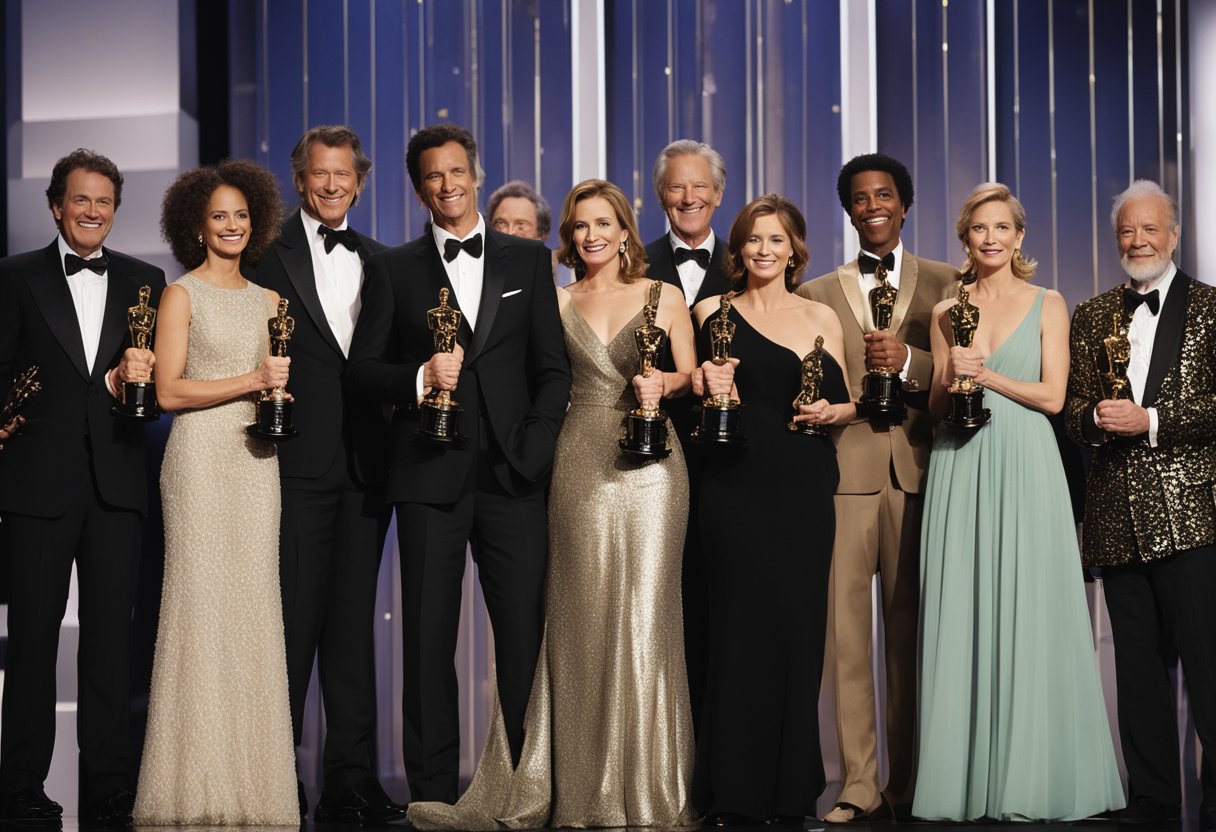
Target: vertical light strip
(508, 70)
(805, 120)
(264, 144)
(1093, 149)
(990, 85)
(346, 62)
(1180, 157)
(859, 90)
(304, 51)
(872, 78)
(1051, 121)
(635, 160)
(537, 141)
(945, 58)
(371, 51)
(588, 120)
(671, 72)
(1017, 101)
(749, 108)
(915, 111)
(1131, 99)
(760, 110)
(1160, 103)
(475, 97)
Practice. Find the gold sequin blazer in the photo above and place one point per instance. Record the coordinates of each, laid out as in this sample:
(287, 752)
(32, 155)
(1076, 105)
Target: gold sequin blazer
(1143, 503)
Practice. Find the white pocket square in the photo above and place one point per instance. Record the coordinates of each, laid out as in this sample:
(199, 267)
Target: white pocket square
(512, 292)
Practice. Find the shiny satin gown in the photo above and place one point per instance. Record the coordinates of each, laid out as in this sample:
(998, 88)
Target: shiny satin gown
(608, 737)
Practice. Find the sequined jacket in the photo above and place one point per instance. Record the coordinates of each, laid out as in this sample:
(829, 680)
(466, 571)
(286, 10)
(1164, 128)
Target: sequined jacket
(1144, 503)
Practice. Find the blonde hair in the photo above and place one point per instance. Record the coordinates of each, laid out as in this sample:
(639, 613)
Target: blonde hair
(633, 258)
(1023, 268)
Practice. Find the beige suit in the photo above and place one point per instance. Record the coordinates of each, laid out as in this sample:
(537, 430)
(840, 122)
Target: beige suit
(878, 508)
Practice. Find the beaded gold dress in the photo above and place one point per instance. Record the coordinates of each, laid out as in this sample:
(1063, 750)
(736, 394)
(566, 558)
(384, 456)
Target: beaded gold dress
(608, 729)
(218, 748)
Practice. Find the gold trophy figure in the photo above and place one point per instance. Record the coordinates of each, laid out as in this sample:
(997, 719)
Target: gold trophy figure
(646, 427)
(274, 408)
(1118, 356)
(24, 388)
(812, 381)
(720, 415)
(967, 411)
(880, 387)
(139, 397)
(439, 413)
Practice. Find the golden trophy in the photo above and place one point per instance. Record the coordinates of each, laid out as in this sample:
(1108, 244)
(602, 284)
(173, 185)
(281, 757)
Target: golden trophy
(720, 415)
(967, 411)
(1118, 356)
(646, 427)
(273, 421)
(812, 381)
(439, 413)
(880, 387)
(138, 400)
(24, 388)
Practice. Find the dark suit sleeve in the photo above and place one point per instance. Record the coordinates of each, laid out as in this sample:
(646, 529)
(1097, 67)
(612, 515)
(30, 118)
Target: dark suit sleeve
(1084, 388)
(375, 370)
(10, 329)
(531, 442)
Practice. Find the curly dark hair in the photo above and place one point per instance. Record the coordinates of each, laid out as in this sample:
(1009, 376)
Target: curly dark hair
(185, 206)
(437, 135)
(873, 161)
(791, 220)
(88, 160)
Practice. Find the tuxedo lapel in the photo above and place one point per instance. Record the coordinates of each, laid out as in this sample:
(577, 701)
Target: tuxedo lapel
(50, 291)
(849, 276)
(1168, 339)
(121, 294)
(432, 266)
(493, 277)
(907, 290)
(663, 266)
(296, 254)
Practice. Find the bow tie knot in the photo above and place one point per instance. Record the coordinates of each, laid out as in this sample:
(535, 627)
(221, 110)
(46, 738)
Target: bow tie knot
(73, 264)
(452, 247)
(869, 264)
(1132, 300)
(333, 237)
(683, 255)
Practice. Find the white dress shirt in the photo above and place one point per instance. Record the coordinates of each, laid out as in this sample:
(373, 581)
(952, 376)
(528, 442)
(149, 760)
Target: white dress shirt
(339, 276)
(868, 282)
(89, 297)
(1141, 333)
(466, 274)
(691, 274)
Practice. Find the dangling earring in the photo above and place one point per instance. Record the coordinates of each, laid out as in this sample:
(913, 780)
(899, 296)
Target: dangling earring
(200, 239)
(791, 266)
(621, 250)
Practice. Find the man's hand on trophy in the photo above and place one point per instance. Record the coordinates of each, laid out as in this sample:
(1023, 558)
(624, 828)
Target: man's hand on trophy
(443, 370)
(884, 350)
(716, 379)
(272, 372)
(967, 362)
(1122, 417)
(135, 365)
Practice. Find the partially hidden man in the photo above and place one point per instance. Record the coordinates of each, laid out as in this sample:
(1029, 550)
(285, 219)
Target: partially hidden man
(1150, 522)
(334, 519)
(882, 474)
(73, 489)
(509, 372)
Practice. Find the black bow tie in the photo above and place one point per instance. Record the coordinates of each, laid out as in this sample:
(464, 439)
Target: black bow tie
(1132, 300)
(333, 236)
(701, 255)
(73, 264)
(452, 247)
(869, 264)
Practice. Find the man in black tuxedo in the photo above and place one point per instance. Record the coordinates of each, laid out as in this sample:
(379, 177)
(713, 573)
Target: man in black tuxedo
(689, 178)
(510, 373)
(1150, 520)
(334, 518)
(72, 489)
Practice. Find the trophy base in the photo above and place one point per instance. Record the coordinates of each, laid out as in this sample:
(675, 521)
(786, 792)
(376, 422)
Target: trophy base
(273, 421)
(720, 425)
(806, 428)
(138, 402)
(881, 397)
(439, 422)
(645, 435)
(967, 411)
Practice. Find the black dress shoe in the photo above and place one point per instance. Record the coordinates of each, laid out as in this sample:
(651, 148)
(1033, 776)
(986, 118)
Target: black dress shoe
(1144, 811)
(30, 804)
(114, 810)
(731, 819)
(364, 802)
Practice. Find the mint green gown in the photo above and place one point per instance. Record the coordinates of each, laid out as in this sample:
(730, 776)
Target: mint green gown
(1012, 722)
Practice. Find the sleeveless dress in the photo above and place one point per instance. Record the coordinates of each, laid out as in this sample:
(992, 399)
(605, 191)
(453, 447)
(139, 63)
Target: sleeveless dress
(608, 732)
(767, 527)
(219, 747)
(1012, 722)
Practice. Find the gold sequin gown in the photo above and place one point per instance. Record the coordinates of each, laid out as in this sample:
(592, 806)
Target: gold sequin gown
(219, 747)
(608, 729)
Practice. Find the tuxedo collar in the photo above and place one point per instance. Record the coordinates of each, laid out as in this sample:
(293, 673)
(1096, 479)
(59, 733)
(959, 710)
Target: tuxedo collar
(1168, 340)
(295, 251)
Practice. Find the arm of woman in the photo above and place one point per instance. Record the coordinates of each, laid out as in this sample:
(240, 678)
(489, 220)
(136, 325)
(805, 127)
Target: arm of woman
(824, 412)
(939, 399)
(1047, 394)
(173, 391)
(683, 343)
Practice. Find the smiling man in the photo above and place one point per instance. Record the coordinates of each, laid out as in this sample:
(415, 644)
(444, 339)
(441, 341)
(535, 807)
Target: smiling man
(1150, 523)
(72, 490)
(882, 474)
(333, 518)
(510, 374)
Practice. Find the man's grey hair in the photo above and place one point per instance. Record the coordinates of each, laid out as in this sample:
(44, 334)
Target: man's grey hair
(687, 147)
(522, 190)
(1143, 187)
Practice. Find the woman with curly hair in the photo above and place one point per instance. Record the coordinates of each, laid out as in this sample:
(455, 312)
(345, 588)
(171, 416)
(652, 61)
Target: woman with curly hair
(219, 746)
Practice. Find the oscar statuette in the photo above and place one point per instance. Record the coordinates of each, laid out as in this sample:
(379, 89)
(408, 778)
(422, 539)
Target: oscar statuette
(438, 412)
(138, 399)
(1118, 351)
(880, 387)
(720, 415)
(273, 422)
(812, 381)
(646, 427)
(24, 388)
(967, 411)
